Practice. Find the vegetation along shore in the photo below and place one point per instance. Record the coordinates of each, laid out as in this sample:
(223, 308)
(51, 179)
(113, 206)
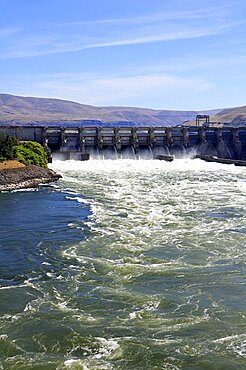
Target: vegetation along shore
(23, 165)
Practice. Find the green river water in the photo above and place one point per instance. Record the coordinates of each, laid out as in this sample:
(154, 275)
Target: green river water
(128, 264)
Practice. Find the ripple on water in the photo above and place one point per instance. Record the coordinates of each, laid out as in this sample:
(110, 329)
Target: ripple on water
(152, 278)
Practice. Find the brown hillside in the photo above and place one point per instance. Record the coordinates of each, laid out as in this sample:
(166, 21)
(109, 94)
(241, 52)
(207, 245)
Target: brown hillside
(28, 110)
(232, 115)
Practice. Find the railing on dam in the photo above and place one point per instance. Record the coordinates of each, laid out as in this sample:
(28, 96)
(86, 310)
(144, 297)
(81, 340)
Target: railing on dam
(227, 142)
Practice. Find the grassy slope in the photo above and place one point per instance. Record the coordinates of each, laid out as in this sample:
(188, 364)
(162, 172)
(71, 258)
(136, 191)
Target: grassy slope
(10, 165)
(28, 109)
(235, 115)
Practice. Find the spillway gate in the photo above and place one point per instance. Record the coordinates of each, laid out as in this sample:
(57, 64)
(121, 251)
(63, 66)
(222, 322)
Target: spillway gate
(226, 142)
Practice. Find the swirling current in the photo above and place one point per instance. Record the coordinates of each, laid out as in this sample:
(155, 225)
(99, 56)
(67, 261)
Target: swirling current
(126, 264)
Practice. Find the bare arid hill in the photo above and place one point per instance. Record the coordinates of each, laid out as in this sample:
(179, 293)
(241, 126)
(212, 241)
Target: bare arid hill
(19, 109)
(235, 116)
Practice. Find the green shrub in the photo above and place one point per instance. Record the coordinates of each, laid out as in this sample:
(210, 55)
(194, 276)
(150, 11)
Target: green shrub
(31, 153)
(27, 152)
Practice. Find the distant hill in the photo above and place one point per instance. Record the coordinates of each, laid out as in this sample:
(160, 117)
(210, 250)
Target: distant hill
(19, 109)
(235, 116)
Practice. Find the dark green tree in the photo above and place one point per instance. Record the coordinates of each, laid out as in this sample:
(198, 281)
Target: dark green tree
(7, 144)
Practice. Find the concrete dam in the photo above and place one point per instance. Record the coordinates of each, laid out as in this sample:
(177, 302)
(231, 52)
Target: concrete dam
(80, 142)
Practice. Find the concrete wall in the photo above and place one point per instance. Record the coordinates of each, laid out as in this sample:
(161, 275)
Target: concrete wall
(227, 142)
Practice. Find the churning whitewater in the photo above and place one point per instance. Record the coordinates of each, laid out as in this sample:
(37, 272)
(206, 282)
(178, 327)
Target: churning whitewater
(146, 272)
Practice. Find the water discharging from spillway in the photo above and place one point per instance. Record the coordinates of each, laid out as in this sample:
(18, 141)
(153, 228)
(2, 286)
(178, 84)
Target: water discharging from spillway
(126, 152)
(153, 278)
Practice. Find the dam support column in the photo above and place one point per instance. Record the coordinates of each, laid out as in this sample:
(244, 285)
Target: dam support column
(117, 139)
(151, 137)
(63, 139)
(45, 139)
(202, 135)
(169, 138)
(186, 138)
(99, 139)
(135, 142)
(84, 156)
(222, 150)
(203, 147)
(236, 143)
(45, 144)
(81, 140)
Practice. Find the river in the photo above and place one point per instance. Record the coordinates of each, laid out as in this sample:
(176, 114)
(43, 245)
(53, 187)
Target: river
(126, 264)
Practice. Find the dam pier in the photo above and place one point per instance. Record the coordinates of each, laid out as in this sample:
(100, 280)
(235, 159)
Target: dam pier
(79, 142)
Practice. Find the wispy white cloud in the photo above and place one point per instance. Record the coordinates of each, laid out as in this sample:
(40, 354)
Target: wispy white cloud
(188, 64)
(160, 37)
(152, 28)
(185, 82)
(108, 90)
(198, 14)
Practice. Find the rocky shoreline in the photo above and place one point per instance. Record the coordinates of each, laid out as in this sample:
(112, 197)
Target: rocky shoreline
(26, 177)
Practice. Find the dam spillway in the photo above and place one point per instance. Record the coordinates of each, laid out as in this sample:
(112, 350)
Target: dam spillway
(77, 142)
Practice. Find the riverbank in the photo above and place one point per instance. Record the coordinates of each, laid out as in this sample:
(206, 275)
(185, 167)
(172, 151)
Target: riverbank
(15, 175)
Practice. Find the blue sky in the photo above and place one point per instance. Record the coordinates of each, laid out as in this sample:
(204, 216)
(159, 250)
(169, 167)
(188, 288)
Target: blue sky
(159, 54)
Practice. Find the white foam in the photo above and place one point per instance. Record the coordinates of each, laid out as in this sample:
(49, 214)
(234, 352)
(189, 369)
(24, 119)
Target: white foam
(3, 337)
(74, 364)
(141, 207)
(235, 343)
(230, 338)
(108, 346)
(77, 199)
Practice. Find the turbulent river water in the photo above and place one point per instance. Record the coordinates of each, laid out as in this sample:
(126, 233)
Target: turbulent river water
(127, 264)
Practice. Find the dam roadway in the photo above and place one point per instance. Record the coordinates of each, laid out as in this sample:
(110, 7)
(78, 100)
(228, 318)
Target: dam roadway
(77, 142)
